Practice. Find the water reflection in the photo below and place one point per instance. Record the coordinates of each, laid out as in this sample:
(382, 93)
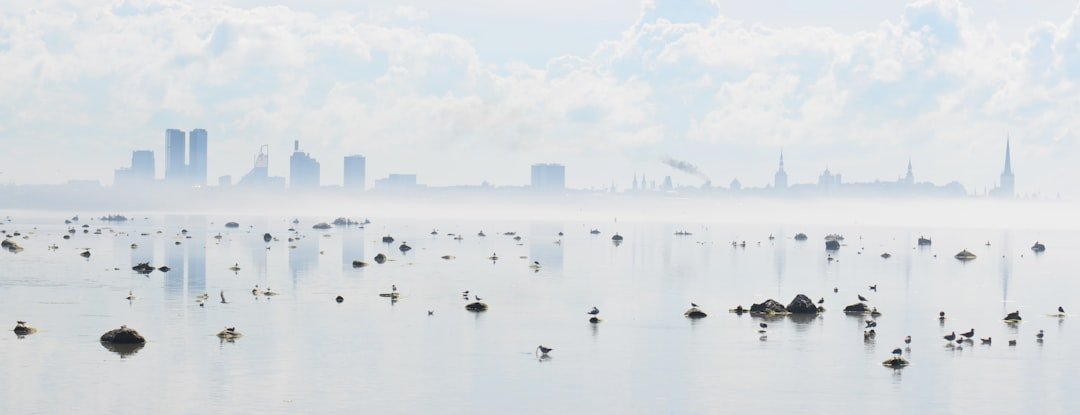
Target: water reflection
(543, 246)
(124, 350)
(352, 247)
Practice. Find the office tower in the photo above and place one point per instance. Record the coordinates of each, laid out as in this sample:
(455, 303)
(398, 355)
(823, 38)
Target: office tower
(354, 172)
(303, 170)
(548, 177)
(142, 165)
(175, 167)
(196, 169)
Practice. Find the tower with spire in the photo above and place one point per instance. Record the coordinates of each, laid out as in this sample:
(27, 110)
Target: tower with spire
(1007, 188)
(909, 178)
(780, 179)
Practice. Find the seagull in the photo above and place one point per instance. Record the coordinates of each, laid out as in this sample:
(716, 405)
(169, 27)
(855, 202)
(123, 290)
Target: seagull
(693, 305)
(951, 337)
(907, 340)
(131, 295)
(897, 351)
(393, 287)
(543, 350)
(594, 311)
(969, 334)
(223, 297)
(871, 324)
(861, 298)
(535, 265)
(873, 287)
(986, 340)
(477, 297)
(1039, 335)
(821, 301)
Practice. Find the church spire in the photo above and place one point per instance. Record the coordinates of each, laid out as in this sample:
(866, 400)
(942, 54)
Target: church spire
(1008, 157)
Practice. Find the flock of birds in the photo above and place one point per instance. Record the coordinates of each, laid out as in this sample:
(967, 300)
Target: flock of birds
(543, 352)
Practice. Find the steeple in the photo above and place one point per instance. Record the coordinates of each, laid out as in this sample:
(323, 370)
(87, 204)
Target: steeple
(910, 177)
(780, 178)
(1008, 158)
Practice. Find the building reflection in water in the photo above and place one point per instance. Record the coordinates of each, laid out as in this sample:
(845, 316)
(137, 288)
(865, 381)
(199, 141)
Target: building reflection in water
(543, 247)
(352, 247)
(196, 254)
(305, 256)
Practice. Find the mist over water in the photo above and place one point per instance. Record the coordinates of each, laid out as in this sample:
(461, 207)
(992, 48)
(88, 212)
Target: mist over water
(302, 352)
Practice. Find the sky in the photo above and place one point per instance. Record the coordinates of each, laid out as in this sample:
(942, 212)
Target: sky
(471, 91)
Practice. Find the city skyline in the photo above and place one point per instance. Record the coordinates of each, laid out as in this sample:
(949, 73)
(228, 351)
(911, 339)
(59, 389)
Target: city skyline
(722, 85)
(305, 173)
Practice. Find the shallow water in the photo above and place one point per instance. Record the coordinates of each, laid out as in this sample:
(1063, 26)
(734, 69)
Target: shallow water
(303, 353)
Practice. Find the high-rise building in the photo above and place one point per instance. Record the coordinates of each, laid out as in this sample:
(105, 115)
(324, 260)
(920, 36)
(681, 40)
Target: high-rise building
(1007, 188)
(175, 165)
(259, 175)
(354, 172)
(196, 169)
(142, 165)
(548, 177)
(303, 170)
(780, 179)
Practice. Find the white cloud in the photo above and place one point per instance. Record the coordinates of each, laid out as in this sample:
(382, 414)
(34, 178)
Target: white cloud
(930, 82)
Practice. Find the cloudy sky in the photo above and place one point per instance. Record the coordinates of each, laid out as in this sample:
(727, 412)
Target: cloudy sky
(476, 90)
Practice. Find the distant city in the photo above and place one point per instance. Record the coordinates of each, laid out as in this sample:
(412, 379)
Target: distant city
(184, 182)
(186, 166)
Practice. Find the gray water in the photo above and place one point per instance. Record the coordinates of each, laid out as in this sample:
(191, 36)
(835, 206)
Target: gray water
(304, 353)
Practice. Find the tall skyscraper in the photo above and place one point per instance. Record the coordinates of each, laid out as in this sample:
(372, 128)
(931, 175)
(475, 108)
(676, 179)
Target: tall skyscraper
(175, 166)
(780, 179)
(1007, 189)
(355, 172)
(196, 169)
(303, 170)
(548, 177)
(142, 165)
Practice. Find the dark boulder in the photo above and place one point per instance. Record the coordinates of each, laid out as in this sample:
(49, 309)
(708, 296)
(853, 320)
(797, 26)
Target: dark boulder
(768, 306)
(321, 225)
(267, 237)
(22, 329)
(1038, 247)
(802, 304)
(380, 258)
(832, 245)
(404, 248)
(857, 308)
(123, 335)
(1013, 316)
(164, 268)
(924, 241)
(359, 264)
(800, 237)
(476, 306)
(388, 239)
(695, 313)
(232, 225)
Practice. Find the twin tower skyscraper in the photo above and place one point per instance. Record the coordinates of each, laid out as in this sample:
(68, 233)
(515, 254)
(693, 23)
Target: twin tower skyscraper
(185, 158)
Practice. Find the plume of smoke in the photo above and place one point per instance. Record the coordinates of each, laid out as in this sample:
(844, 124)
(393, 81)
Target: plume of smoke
(685, 167)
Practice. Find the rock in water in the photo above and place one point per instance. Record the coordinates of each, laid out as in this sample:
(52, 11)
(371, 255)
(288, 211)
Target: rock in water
(695, 313)
(476, 306)
(123, 335)
(832, 245)
(359, 264)
(232, 225)
(267, 237)
(802, 304)
(768, 306)
(380, 258)
(22, 329)
(1013, 316)
(895, 362)
(856, 308)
